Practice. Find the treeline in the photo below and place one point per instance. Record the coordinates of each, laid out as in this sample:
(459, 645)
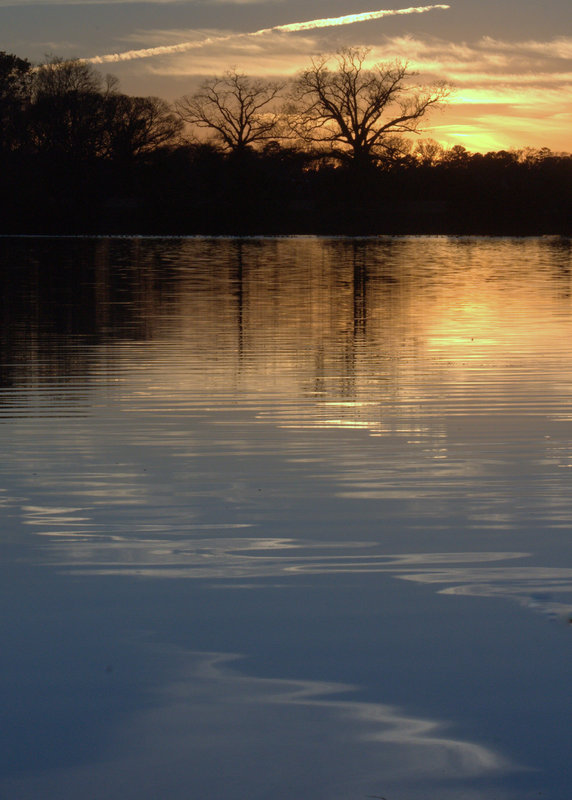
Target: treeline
(79, 156)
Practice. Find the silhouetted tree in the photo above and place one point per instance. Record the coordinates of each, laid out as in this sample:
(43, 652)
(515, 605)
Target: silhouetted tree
(358, 112)
(59, 77)
(138, 125)
(79, 114)
(534, 155)
(457, 155)
(236, 109)
(15, 89)
(67, 115)
(428, 152)
(77, 155)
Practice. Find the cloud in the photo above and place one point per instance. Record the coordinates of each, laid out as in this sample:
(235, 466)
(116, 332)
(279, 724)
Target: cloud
(20, 3)
(350, 19)
(560, 47)
(325, 22)
(483, 56)
(507, 93)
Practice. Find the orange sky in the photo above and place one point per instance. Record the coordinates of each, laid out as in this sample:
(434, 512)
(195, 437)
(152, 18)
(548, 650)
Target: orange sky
(512, 76)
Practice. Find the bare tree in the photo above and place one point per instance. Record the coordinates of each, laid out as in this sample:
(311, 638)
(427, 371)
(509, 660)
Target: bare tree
(238, 110)
(357, 112)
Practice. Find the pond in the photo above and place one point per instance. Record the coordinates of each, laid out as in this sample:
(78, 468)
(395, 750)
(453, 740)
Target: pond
(286, 518)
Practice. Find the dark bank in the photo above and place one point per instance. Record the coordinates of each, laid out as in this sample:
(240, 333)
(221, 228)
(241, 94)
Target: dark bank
(79, 157)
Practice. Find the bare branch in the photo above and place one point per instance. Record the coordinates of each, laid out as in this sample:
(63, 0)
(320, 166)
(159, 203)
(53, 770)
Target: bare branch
(237, 109)
(360, 110)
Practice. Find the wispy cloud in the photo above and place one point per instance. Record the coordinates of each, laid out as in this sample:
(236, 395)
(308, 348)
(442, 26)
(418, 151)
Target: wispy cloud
(507, 93)
(19, 3)
(484, 55)
(326, 22)
(560, 47)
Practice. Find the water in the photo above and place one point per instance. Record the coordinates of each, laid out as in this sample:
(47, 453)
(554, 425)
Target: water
(286, 518)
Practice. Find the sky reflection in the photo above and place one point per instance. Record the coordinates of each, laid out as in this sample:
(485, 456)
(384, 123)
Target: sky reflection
(298, 737)
(544, 589)
(337, 458)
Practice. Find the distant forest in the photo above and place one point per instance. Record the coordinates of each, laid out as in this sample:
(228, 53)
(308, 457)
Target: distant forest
(336, 152)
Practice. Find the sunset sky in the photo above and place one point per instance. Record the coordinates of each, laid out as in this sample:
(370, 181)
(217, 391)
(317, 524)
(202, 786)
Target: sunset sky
(510, 61)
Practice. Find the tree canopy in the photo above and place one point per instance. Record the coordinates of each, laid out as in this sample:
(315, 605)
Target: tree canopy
(68, 110)
(15, 87)
(78, 155)
(239, 111)
(356, 112)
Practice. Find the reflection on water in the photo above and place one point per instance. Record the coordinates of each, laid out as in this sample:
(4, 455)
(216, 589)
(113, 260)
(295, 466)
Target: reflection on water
(297, 727)
(343, 428)
(545, 589)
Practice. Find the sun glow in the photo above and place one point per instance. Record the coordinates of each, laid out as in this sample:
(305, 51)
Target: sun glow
(506, 94)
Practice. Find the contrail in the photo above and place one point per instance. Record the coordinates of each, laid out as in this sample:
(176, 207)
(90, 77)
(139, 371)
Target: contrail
(326, 22)
(130, 55)
(349, 19)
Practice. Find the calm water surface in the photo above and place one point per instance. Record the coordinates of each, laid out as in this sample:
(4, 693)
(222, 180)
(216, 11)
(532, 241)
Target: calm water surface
(286, 519)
